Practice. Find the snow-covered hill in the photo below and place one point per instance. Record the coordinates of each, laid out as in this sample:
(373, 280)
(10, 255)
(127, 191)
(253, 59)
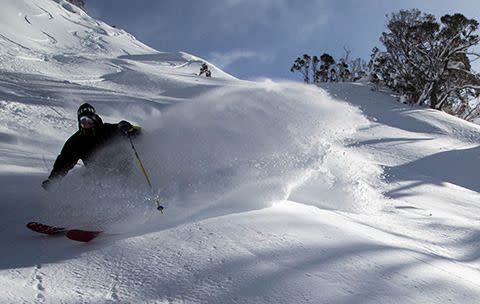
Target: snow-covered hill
(274, 192)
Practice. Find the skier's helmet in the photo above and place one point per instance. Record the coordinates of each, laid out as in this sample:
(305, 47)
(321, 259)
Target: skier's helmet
(86, 116)
(86, 109)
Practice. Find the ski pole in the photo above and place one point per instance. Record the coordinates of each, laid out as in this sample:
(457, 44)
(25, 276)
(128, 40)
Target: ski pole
(145, 174)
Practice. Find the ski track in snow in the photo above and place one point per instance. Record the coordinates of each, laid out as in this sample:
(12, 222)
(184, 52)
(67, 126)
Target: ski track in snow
(15, 43)
(52, 39)
(37, 282)
(50, 16)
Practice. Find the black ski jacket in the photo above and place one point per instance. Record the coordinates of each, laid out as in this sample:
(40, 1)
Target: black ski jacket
(85, 143)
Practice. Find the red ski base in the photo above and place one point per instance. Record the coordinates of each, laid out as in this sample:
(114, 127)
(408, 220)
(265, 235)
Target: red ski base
(73, 234)
(82, 235)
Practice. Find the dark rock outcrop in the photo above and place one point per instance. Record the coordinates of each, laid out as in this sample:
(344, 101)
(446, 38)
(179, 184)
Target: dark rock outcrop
(79, 3)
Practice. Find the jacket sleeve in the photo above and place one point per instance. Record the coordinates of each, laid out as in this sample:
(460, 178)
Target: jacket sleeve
(67, 159)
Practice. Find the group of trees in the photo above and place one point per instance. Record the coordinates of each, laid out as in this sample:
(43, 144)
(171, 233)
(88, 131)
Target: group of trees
(429, 62)
(324, 68)
(426, 61)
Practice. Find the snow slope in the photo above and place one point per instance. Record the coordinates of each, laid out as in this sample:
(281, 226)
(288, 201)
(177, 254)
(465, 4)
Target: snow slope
(275, 192)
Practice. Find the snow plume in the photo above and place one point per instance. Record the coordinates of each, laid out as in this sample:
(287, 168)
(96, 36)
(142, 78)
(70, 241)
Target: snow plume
(240, 148)
(225, 60)
(235, 148)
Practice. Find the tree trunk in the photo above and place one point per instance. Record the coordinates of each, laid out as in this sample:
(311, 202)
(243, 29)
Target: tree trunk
(434, 96)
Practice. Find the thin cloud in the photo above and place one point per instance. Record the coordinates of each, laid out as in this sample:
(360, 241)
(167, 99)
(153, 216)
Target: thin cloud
(224, 60)
(293, 19)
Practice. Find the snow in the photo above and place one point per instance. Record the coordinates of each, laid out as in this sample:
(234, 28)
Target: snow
(275, 192)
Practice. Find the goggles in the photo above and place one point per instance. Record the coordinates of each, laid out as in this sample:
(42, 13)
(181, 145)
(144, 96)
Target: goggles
(85, 110)
(87, 122)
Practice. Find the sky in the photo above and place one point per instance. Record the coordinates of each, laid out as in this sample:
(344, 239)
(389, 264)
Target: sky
(253, 39)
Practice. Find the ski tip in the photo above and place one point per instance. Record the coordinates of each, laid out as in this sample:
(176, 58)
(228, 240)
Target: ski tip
(82, 235)
(31, 224)
(45, 229)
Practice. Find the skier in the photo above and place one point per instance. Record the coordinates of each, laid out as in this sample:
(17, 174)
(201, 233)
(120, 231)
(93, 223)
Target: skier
(90, 143)
(204, 70)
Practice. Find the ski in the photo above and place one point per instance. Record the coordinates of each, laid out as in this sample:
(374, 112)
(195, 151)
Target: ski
(45, 229)
(82, 235)
(78, 235)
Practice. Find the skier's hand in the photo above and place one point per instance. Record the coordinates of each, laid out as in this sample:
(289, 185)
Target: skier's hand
(124, 127)
(128, 129)
(47, 184)
(135, 131)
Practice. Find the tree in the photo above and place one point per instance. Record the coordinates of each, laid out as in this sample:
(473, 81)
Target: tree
(324, 68)
(380, 68)
(303, 66)
(344, 72)
(347, 54)
(327, 61)
(333, 75)
(429, 62)
(358, 68)
(315, 70)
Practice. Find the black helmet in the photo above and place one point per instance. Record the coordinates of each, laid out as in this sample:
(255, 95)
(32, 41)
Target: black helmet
(87, 117)
(85, 109)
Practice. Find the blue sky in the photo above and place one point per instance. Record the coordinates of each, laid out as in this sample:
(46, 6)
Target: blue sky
(261, 38)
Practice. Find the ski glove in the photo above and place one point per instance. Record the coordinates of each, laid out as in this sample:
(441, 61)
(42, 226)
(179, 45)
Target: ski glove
(124, 126)
(128, 129)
